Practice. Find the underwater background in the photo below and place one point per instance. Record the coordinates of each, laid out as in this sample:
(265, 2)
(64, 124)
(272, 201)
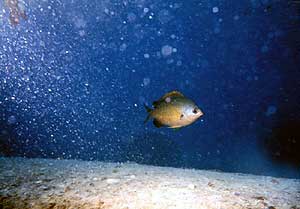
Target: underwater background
(75, 74)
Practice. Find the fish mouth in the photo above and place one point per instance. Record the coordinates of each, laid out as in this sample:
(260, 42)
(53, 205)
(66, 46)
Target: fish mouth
(199, 113)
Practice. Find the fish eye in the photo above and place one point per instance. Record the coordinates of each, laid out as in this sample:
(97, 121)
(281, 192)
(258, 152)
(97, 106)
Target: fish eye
(195, 111)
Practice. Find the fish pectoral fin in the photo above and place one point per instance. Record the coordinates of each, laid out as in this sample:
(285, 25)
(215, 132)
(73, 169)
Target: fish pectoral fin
(181, 116)
(157, 123)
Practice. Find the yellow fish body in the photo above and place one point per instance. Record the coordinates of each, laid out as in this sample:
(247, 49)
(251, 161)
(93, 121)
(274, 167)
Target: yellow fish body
(173, 110)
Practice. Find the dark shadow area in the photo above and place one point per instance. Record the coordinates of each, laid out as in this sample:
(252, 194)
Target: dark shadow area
(13, 144)
(153, 149)
(282, 140)
(283, 144)
(6, 141)
(10, 141)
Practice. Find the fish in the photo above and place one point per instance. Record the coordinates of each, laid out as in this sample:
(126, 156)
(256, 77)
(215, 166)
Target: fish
(173, 110)
(16, 11)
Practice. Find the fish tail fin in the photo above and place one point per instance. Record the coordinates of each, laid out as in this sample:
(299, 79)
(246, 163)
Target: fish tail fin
(147, 108)
(148, 118)
(149, 113)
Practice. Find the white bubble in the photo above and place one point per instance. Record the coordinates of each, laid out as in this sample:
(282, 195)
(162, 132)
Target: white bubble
(123, 47)
(25, 78)
(131, 17)
(11, 120)
(215, 9)
(42, 43)
(79, 22)
(170, 61)
(146, 81)
(146, 56)
(164, 16)
(166, 50)
(81, 33)
(179, 63)
(264, 49)
(146, 10)
(271, 110)
(236, 17)
(217, 30)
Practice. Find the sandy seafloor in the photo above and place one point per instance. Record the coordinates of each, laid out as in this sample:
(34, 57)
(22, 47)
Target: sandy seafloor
(47, 183)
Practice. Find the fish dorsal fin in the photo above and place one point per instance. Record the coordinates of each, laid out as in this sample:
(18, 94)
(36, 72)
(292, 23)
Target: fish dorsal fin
(170, 95)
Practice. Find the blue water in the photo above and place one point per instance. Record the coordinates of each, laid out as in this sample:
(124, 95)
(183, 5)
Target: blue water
(75, 74)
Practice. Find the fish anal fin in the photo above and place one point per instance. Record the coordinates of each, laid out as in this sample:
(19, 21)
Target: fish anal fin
(177, 129)
(157, 123)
